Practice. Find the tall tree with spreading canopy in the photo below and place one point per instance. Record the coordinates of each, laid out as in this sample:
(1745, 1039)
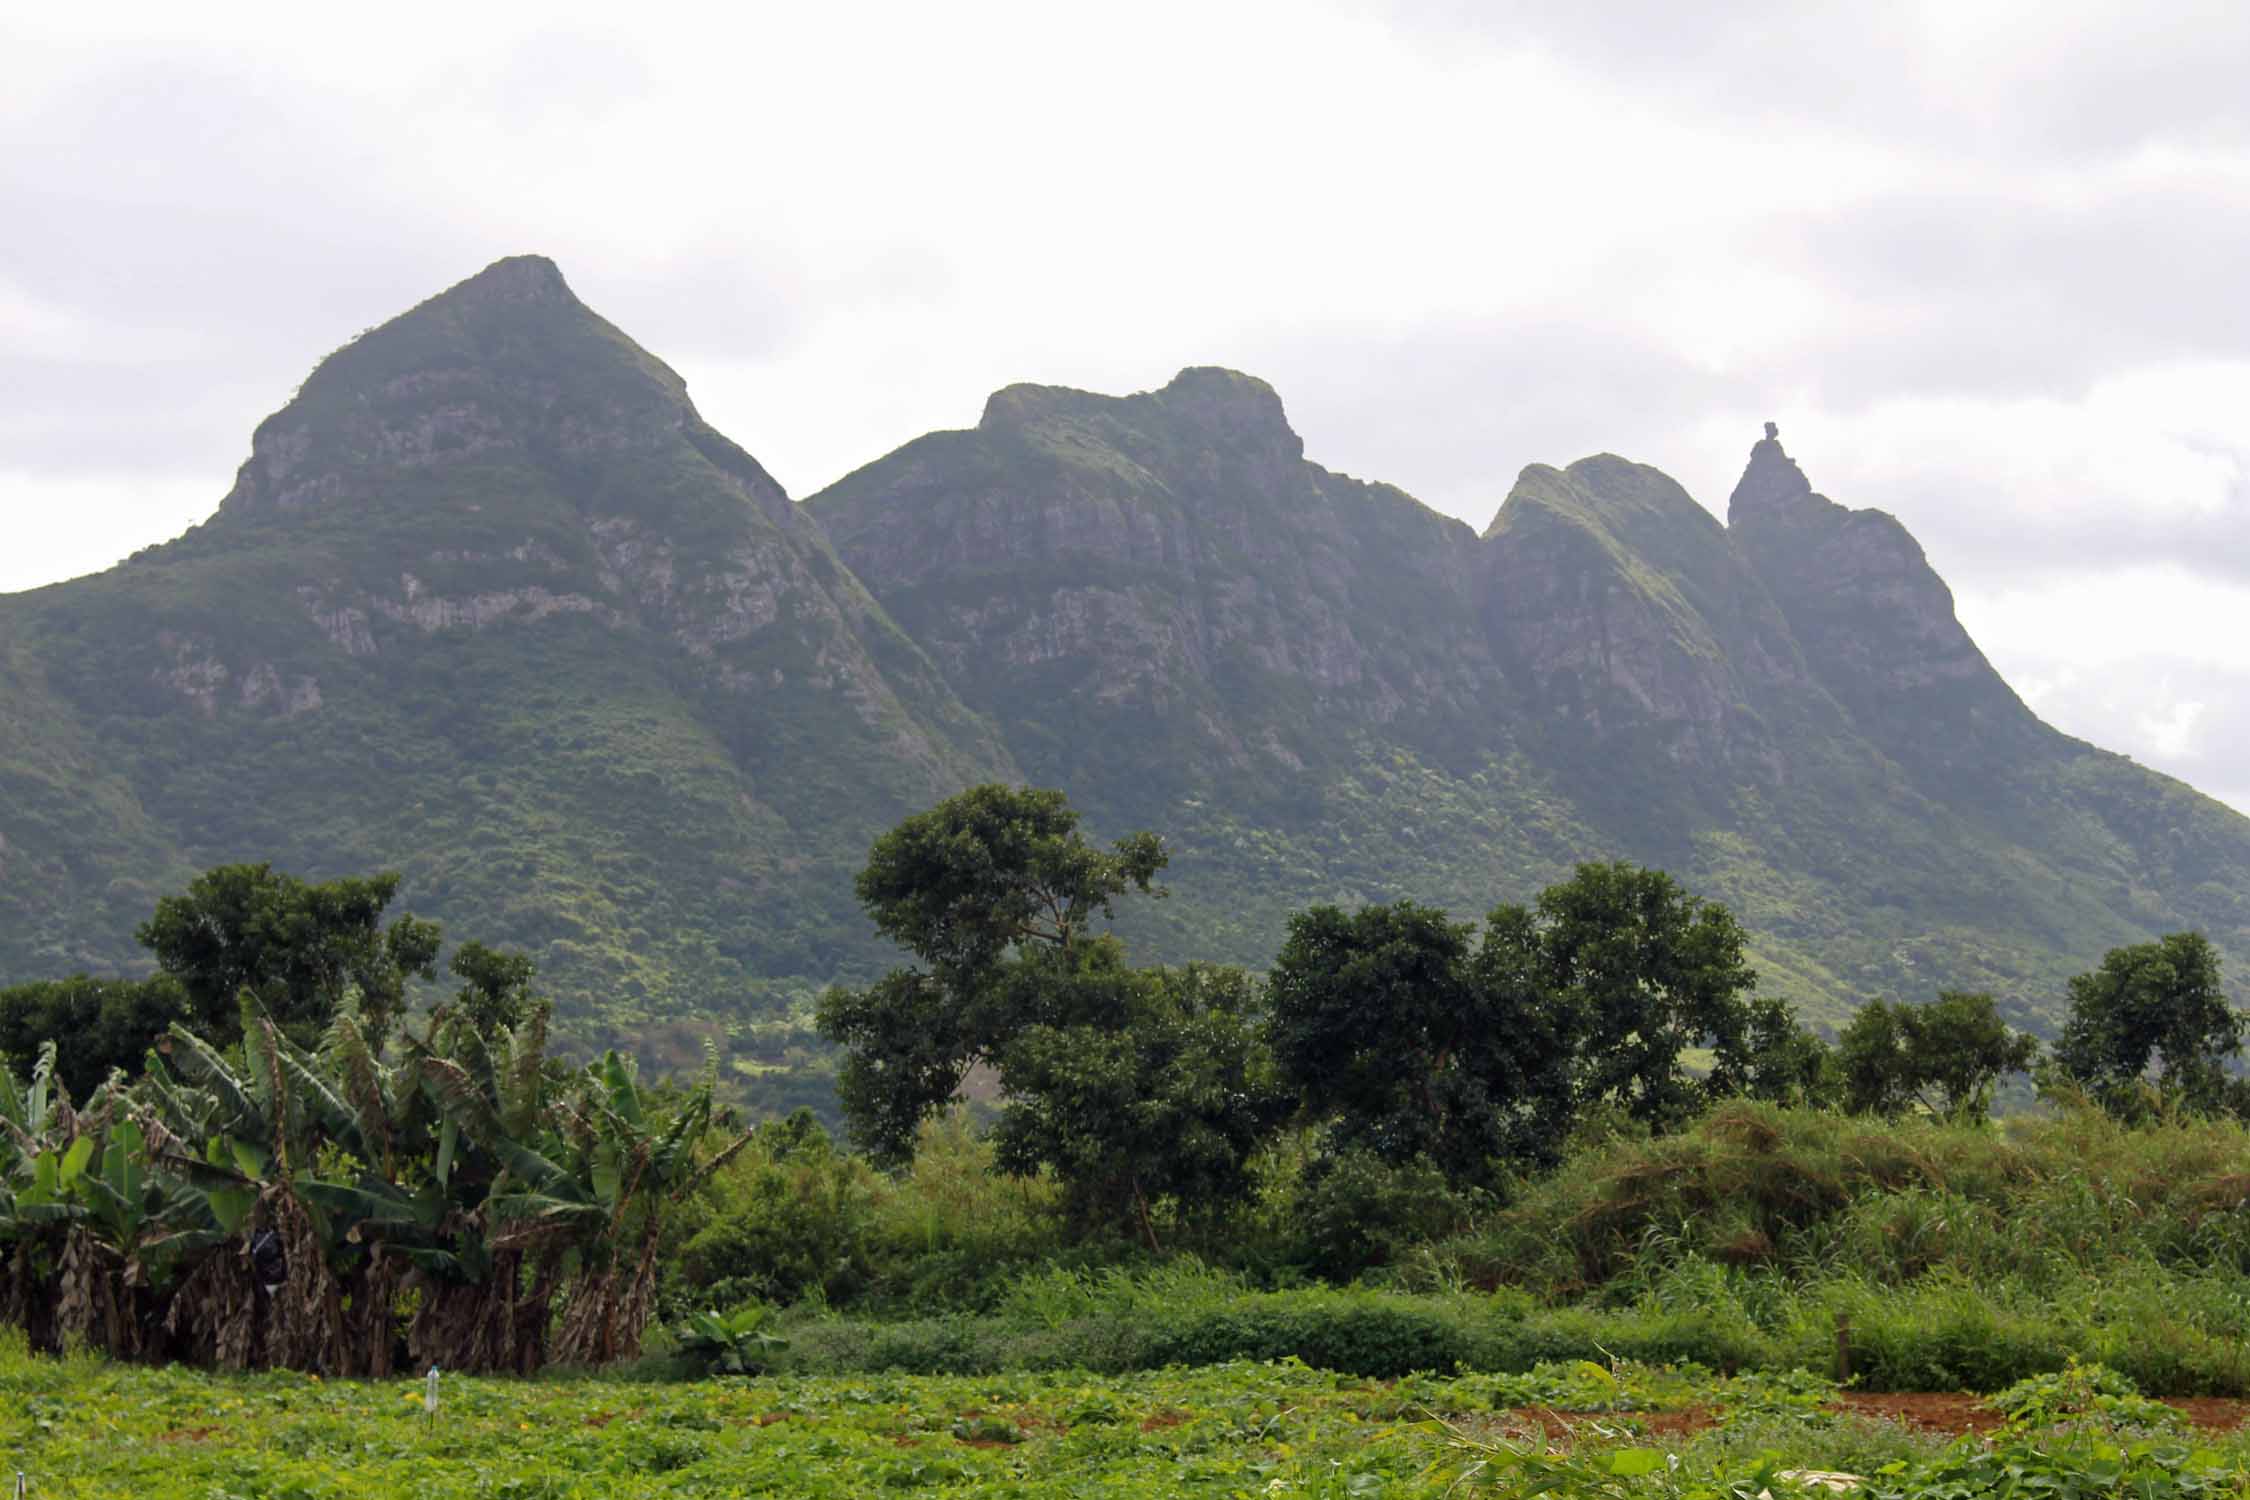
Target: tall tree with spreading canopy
(1945, 1057)
(1415, 1045)
(1646, 971)
(1134, 1085)
(298, 947)
(2153, 1016)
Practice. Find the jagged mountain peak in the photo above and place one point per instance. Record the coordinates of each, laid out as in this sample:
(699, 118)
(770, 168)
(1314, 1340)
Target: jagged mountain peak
(1614, 492)
(515, 278)
(489, 606)
(506, 369)
(1771, 483)
(1225, 407)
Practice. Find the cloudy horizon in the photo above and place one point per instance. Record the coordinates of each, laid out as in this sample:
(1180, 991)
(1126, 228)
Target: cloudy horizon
(1981, 261)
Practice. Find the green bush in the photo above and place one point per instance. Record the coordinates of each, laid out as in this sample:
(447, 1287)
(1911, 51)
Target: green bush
(1354, 1212)
(788, 1217)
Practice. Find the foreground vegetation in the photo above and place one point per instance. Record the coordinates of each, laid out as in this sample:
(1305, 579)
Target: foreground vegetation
(83, 1428)
(1957, 1256)
(1577, 1135)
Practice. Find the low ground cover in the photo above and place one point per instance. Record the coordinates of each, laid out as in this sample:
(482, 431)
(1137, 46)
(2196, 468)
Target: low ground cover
(82, 1428)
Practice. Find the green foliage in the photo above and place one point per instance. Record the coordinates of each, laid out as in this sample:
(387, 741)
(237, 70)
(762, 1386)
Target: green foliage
(788, 1217)
(299, 947)
(2152, 1006)
(1354, 1211)
(265, 1205)
(1647, 971)
(495, 985)
(991, 871)
(732, 1343)
(1164, 1099)
(1134, 1086)
(2082, 1394)
(994, 890)
(97, 1025)
(1945, 1057)
(1385, 1022)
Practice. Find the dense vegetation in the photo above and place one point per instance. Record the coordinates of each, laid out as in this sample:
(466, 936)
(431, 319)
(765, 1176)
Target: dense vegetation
(1172, 1161)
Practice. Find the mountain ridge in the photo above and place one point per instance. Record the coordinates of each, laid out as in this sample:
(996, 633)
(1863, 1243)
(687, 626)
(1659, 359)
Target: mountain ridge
(490, 603)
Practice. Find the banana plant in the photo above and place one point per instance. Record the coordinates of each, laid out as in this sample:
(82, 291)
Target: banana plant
(38, 1139)
(637, 1171)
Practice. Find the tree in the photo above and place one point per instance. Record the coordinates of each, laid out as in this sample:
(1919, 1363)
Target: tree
(975, 888)
(1788, 1064)
(299, 948)
(1166, 1097)
(1644, 971)
(96, 1024)
(1385, 1023)
(1945, 1057)
(2152, 1007)
(1137, 1087)
(495, 985)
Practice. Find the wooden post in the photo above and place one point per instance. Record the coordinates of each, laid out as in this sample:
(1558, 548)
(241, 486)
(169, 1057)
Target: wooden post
(1843, 1348)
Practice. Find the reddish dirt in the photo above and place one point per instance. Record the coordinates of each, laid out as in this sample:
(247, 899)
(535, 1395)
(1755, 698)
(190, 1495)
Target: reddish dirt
(188, 1435)
(1158, 1421)
(2212, 1413)
(1925, 1411)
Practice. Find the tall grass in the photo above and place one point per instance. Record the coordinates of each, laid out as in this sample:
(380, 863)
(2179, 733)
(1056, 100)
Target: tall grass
(1806, 1193)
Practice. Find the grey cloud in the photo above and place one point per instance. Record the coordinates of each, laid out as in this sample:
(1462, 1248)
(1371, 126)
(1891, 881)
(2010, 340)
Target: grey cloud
(2111, 708)
(1453, 413)
(1995, 292)
(1964, 520)
(60, 416)
(2102, 80)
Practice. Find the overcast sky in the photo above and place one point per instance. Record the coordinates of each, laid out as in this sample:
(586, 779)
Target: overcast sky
(1987, 264)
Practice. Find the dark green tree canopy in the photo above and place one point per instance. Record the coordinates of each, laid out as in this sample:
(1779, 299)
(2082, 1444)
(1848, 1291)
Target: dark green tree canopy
(993, 869)
(1165, 1092)
(97, 1025)
(495, 985)
(1945, 1057)
(2152, 1012)
(977, 888)
(1415, 1045)
(1134, 1085)
(1646, 971)
(297, 946)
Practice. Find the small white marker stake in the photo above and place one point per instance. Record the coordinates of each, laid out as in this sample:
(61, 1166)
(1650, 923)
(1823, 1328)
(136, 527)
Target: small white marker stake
(429, 1396)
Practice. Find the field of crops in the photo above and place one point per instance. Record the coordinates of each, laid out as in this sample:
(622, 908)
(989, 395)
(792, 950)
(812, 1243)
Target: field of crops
(84, 1428)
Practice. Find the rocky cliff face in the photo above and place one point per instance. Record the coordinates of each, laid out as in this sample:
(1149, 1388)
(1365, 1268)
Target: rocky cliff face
(1166, 572)
(1620, 608)
(492, 605)
(1875, 621)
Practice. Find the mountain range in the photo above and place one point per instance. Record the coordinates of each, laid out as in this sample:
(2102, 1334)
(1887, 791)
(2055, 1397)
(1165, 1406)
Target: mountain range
(490, 604)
